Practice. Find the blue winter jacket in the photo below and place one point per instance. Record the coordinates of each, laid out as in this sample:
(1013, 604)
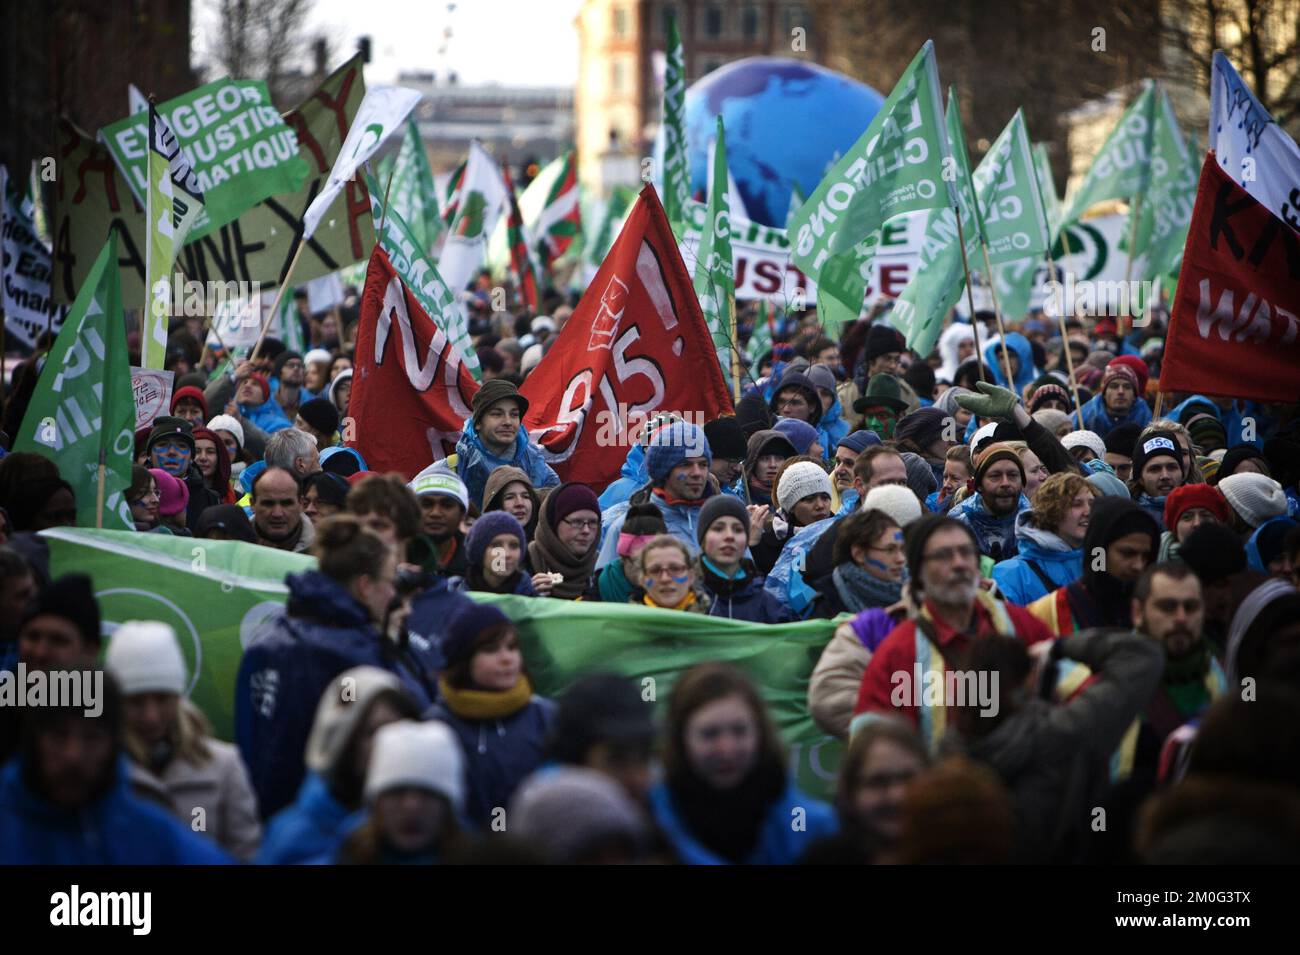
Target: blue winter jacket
(831, 429)
(1019, 346)
(680, 520)
(996, 535)
(1253, 559)
(779, 842)
(744, 599)
(286, 667)
(499, 753)
(431, 608)
(268, 416)
(786, 581)
(118, 829)
(632, 475)
(1057, 560)
(474, 462)
(308, 827)
(1095, 417)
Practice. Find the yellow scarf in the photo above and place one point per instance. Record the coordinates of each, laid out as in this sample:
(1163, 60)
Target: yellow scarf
(682, 605)
(485, 704)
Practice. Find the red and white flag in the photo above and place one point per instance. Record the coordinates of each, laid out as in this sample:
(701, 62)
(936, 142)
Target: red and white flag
(411, 393)
(636, 344)
(1235, 325)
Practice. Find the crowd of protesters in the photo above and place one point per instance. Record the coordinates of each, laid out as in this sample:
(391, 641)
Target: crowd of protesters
(1114, 568)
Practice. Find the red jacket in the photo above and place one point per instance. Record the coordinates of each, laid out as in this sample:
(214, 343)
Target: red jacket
(897, 653)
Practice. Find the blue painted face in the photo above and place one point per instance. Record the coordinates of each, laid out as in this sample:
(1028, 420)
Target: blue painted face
(171, 455)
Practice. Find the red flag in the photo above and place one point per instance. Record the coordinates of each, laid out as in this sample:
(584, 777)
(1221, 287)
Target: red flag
(521, 260)
(1233, 328)
(410, 391)
(636, 344)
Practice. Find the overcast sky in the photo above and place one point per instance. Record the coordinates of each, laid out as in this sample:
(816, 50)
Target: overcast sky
(511, 42)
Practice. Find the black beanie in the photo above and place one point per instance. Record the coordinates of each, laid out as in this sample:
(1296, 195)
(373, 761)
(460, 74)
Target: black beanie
(1122, 438)
(1213, 551)
(71, 597)
(726, 439)
(600, 707)
(321, 414)
(918, 532)
(1233, 458)
(283, 359)
(1157, 444)
(720, 505)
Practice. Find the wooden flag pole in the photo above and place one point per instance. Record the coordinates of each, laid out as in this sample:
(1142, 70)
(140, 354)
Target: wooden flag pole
(735, 356)
(99, 494)
(384, 215)
(1065, 340)
(997, 316)
(275, 305)
(1134, 213)
(970, 298)
(1160, 400)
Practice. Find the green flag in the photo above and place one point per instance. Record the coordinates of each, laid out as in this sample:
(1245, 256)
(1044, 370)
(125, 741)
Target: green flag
(896, 166)
(1011, 211)
(1122, 168)
(82, 413)
(421, 277)
(241, 149)
(1047, 190)
(760, 339)
(1166, 210)
(238, 586)
(677, 172)
(715, 281)
(920, 310)
(412, 193)
(610, 225)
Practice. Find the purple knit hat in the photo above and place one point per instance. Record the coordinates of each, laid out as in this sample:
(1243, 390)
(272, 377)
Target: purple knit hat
(486, 529)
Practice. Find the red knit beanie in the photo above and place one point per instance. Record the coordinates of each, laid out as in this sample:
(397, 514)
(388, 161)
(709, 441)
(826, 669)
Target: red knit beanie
(1184, 498)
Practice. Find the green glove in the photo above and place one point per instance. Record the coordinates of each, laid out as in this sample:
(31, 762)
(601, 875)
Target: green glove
(995, 402)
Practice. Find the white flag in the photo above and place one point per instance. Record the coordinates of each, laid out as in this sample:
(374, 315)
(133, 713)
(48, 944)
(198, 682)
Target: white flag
(380, 114)
(482, 197)
(136, 103)
(1250, 146)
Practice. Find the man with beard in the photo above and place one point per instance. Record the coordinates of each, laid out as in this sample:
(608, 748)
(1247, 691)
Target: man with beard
(1122, 539)
(278, 520)
(66, 801)
(1157, 469)
(991, 512)
(953, 611)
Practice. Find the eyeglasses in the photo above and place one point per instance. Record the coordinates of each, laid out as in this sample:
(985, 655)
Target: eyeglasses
(582, 524)
(893, 550)
(948, 554)
(672, 570)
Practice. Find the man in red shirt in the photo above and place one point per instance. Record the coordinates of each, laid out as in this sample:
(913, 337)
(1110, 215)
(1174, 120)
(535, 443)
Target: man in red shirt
(943, 575)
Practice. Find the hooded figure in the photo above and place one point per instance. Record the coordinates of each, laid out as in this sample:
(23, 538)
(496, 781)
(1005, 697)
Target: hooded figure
(548, 554)
(793, 380)
(1098, 598)
(762, 443)
(832, 427)
(950, 342)
(494, 491)
(1021, 351)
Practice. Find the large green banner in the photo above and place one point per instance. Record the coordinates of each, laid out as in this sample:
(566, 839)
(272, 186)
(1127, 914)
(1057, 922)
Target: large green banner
(215, 594)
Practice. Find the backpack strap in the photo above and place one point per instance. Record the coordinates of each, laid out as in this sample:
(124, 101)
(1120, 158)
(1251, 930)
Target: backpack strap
(1041, 575)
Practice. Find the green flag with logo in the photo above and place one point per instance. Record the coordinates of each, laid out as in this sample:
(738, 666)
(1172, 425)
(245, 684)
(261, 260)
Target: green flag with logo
(920, 310)
(217, 595)
(421, 277)
(1166, 211)
(412, 193)
(1047, 190)
(677, 172)
(82, 413)
(1122, 168)
(896, 166)
(1006, 187)
(715, 282)
(760, 339)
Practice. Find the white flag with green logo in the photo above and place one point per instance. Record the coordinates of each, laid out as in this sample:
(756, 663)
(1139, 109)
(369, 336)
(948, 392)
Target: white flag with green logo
(481, 198)
(715, 281)
(407, 180)
(380, 114)
(1122, 168)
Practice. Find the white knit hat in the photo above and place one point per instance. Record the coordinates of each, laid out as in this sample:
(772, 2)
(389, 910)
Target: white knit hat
(317, 355)
(341, 708)
(143, 657)
(421, 755)
(983, 431)
(800, 480)
(896, 500)
(532, 357)
(1254, 497)
(224, 422)
(1085, 439)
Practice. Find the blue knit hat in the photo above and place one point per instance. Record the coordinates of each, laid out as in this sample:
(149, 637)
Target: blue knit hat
(466, 623)
(485, 529)
(672, 445)
(859, 441)
(799, 433)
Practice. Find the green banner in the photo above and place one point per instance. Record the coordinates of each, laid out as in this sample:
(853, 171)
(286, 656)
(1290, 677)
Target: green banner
(82, 413)
(677, 173)
(896, 166)
(91, 197)
(715, 280)
(215, 593)
(241, 149)
(1121, 169)
(421, 277)
(1006, 185)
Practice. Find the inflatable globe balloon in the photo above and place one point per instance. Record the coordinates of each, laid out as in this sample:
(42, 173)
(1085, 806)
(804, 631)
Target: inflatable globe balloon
(786, 122)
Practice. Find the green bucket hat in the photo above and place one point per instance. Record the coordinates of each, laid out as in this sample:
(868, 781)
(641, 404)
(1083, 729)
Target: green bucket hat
(881, 390)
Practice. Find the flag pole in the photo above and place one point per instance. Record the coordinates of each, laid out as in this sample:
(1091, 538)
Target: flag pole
(1160, 400)
(1065, 340)
(970, 298)
(735, 355)
(384, 215)
(99, 494)
(1134, 213)
(997, 316)
(275, 305)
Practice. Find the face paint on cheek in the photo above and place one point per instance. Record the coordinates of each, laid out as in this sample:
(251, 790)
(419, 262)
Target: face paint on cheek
(871, 561)
(680, 580)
